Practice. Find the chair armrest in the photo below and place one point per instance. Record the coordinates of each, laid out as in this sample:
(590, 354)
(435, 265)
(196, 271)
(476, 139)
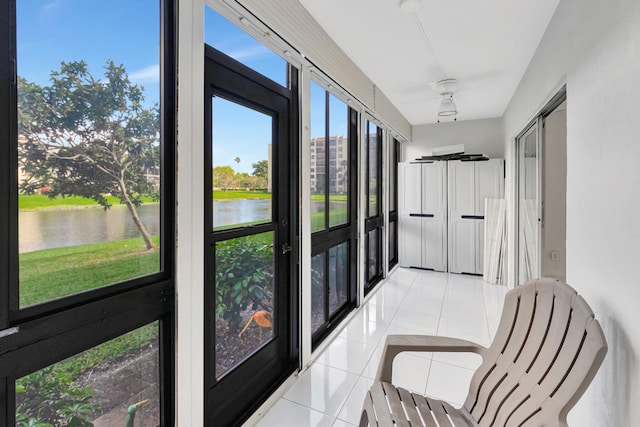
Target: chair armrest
(396, 344)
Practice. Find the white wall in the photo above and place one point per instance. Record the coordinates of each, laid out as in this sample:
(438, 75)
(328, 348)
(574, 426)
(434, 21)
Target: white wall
(484, 136)
(594, 47)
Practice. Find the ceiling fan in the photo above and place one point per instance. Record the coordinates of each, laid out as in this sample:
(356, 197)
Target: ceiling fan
(447, 108)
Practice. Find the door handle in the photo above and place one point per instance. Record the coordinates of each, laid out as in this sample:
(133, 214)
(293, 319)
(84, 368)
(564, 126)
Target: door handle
(285, 248)
(9, 331)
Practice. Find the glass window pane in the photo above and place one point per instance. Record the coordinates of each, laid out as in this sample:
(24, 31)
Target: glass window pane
(373, 253)
(107, 385)
(393, 172)
(234, 42)
(245, 311)
(317, 291)
(392, 242)
(88, 139)
(338, 161)
(372, 146)
(338, 276)
(318, 158)
(241, 158)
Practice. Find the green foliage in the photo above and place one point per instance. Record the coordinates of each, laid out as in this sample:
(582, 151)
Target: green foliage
(244, 279)
(224, 177)
(261, 169)
(51, 394)
(88, 137)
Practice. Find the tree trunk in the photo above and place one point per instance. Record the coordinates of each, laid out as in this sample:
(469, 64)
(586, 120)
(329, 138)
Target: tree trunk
(134, 214)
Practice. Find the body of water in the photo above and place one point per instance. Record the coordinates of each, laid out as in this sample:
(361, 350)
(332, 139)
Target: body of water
(45, 229)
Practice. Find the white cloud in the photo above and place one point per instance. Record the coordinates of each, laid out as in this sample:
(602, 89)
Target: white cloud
(150, 74)
(50, 8)
(248, 53)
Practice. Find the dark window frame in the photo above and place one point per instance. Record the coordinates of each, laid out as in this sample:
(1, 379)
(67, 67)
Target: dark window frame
(324, 240)
(374, 220)
(49, 332)
(393, 196)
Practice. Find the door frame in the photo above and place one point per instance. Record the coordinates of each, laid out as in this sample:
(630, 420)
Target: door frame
(285, 231)
(377, 222)
(558, 98)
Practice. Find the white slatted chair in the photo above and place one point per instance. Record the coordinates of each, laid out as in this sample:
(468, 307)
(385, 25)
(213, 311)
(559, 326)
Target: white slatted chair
(547, 349)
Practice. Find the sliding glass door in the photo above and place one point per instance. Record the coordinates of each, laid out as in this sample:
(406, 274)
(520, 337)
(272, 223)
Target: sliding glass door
(529, 215)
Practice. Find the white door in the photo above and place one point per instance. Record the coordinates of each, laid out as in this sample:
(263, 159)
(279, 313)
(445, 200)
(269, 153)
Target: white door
(462, 210)
(434, 216)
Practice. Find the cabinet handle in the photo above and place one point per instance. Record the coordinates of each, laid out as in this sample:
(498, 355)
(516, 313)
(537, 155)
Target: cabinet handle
(472, 216)
(423, 215)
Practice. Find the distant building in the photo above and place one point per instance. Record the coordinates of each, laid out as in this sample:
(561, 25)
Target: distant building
(338, 167)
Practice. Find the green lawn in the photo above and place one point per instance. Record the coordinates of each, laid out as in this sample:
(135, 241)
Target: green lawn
(240, 194)
(336, 217)
(53, 273)
(40, 201)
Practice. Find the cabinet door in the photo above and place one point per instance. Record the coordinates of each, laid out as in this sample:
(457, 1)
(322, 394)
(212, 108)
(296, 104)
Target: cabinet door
(410, 241)
(434, 216)
(410, 186)
(479, 237)
(462, 230)
(409, 202)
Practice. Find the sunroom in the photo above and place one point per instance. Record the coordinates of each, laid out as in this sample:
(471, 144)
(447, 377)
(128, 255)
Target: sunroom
(213, 212)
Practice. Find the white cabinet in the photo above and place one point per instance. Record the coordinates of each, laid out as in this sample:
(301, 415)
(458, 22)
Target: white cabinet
(469, 184)
(423, 215)
(441, 207)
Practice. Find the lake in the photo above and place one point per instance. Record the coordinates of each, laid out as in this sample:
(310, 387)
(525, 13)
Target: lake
(45, 229)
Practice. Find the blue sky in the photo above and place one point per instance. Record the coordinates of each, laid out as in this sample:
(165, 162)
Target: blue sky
(127, 32)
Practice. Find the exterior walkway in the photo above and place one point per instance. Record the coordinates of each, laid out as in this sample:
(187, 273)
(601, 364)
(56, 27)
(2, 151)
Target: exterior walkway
(411, 301)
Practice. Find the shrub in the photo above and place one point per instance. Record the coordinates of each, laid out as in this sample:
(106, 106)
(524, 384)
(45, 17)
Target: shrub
(244, 279)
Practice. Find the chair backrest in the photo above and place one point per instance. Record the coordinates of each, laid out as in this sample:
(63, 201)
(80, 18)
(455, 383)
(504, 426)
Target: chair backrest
(547, 349)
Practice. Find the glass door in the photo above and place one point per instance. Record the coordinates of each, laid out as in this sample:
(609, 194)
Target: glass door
(528, 235)
(250, 308)
(374, 221)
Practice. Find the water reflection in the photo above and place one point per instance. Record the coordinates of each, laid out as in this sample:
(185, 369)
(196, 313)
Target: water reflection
(240, 211)
(45, 229)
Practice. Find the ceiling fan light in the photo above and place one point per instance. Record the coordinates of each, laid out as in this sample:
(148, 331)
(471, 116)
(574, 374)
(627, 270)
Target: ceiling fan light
(447, 107)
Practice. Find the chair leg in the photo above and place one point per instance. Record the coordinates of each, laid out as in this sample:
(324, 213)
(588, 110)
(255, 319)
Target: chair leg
(364, 420)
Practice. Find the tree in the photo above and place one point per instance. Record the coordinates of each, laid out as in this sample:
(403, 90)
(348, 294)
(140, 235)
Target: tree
(237, 160)
(89, 137)
(224, 177)
(261, 169)
(261, 172)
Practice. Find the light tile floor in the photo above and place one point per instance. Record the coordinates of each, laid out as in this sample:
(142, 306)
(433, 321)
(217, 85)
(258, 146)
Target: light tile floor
(330, 393)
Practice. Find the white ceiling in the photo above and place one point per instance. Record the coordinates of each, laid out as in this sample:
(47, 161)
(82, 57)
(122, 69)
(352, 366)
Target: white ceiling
(485, 44)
